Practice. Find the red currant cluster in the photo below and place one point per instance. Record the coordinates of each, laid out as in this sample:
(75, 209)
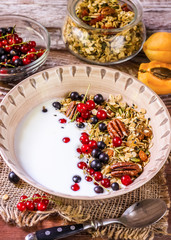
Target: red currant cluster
(14, 52)
(36, 202)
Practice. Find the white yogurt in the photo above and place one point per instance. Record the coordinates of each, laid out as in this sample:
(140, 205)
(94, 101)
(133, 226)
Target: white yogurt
(45, 157)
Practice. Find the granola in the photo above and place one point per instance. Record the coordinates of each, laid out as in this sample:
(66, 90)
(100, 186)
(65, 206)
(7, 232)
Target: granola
(119, 120)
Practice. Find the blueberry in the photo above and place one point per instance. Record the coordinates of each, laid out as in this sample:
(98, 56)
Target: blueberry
(93, 120)
(96, 152)
(74, 96)
(2, 51)
(102, 127)
(82, 97)
(4, 58)
(56, 105)
(14, 52)
(96, 165)
(3, 31)
(101, 144)
(80, 125)
(13, 177)
(10, 30)
(104, 157)
(76, 179)
(98, 189)
(18, 62)
(115, 186)
(98, 98)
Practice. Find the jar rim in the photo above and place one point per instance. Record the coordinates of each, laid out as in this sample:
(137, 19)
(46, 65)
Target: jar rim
(134, 4)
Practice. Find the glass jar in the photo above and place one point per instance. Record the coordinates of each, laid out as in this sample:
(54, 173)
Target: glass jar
(104, 46)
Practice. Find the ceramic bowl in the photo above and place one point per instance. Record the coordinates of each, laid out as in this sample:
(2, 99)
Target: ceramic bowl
(57, 82)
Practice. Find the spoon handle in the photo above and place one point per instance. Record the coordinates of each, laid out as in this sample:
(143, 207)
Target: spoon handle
(65, 231)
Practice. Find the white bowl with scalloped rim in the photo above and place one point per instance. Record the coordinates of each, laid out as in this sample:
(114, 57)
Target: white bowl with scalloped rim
(57, 82)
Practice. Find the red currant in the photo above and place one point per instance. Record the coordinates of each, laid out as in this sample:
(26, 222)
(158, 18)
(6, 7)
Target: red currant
(88, 179)
(24, 49)
(33, 50)
(66, 139)
(84, 133)
(8, 48)
(101, 115)
(117, 141)
(81, 107)
(62, 120)
(90, 171)
(30, 205)
(86, 149)
(40, 52)
(26, 61)
(92, 144)
(36, 198)
(98, 176)
(15, 57)
(45, 200)
(19, 39)
(1, 45)
(31, 55)
(23, 197)
(126, 180)
(82, 165)
(105, 182)
(84, 139)
(90, 104)
(85, 115)
(4, 42)
(75, 187)
(21, 206)
(41, 206)
(3, 71)
(79, 150)
(32, 44)
(80, 119)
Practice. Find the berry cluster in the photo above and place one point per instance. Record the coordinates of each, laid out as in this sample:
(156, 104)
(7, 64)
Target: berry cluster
(92, 147)
(37, 202)
(14, 52)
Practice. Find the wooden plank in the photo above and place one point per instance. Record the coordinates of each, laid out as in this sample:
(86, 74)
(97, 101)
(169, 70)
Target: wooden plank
(54, 15)
(145, 3)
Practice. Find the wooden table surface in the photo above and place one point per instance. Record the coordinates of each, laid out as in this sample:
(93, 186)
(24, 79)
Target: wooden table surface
(157, 17)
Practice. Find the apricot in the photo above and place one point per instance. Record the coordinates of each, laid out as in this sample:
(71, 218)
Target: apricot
(158, 47)
(157, 76)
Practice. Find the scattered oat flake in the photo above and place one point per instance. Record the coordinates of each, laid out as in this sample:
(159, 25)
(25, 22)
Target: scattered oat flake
(5, 197)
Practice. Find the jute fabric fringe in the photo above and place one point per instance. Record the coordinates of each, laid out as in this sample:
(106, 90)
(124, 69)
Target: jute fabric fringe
(81, 211)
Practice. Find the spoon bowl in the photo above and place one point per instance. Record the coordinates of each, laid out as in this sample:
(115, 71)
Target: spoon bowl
(144, 213)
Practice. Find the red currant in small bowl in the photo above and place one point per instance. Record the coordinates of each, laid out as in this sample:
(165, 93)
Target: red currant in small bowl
(117, 141)
(126, 180)
(90, 104)
(101, 115)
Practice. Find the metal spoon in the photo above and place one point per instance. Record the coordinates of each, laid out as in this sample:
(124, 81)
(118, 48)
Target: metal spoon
(139, 215)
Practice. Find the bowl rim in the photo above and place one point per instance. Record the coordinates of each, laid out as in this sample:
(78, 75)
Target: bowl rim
(40, 59)
(96, 197)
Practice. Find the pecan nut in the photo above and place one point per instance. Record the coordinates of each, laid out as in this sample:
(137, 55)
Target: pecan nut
(125, 168)
(116, 128)
(71, 110)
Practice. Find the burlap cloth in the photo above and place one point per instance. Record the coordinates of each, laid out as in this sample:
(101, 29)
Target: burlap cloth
(81, 211)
